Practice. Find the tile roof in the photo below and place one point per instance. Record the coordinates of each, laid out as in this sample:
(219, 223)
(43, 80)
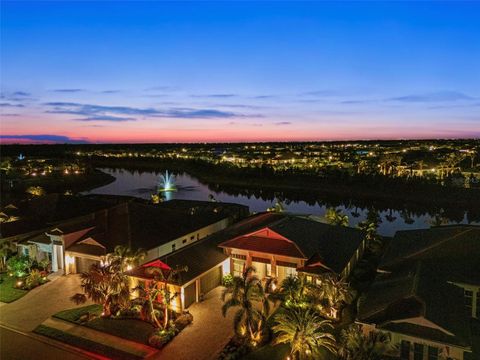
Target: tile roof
(417, 291)
(452, 243)
(203, 255)
(334, 246)
(87, 249)
(267, 241)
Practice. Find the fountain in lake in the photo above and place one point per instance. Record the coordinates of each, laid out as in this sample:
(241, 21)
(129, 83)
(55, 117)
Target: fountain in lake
(167, 183)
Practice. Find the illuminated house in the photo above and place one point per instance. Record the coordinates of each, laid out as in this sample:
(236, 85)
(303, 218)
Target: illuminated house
(427, 293)
(291, 244)
(277, 245)
(73, 245)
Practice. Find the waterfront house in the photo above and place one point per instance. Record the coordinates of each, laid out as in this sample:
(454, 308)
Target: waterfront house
(277, 245)
(73, 245)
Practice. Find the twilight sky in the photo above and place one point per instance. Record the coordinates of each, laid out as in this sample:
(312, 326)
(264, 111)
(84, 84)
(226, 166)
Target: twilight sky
(238, 71)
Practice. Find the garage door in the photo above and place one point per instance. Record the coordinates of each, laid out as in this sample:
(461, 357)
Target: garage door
(83, 264)
(211, 280)
(190, 294)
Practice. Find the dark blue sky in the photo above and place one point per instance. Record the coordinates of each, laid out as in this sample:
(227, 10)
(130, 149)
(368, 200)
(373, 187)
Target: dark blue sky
(199, 71)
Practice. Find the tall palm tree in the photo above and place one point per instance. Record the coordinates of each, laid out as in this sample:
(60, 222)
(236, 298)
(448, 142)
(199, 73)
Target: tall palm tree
(355, 345)
(165, 277)
(127, 257)
(106, 285)
(336, 217)
(245, 293)
(305, 331)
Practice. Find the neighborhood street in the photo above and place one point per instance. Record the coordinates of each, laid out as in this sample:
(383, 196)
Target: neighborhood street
(17, 345)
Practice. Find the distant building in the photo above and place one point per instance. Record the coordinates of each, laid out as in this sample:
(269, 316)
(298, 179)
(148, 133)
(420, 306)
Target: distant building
(427, 293)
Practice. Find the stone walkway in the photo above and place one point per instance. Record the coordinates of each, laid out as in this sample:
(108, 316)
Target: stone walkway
(206, 336)
(116, 342)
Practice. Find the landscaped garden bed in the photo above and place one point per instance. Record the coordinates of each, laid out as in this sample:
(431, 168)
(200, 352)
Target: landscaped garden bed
(308, 322)
(126, 328)
(23, 275)
(147, 319)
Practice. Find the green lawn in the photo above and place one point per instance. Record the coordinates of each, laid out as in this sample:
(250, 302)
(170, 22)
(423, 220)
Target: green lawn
(7, 292)
(73, 315)
(130, 329)
(85, 344)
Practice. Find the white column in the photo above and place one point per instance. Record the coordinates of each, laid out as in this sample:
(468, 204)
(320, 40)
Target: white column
(54, 259)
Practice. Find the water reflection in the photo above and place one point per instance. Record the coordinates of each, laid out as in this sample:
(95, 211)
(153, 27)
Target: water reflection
(394, 217)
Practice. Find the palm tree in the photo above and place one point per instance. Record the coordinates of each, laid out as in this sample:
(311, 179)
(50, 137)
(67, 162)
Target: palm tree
(5, 252)
(244, 292)
(106, 285)
(305, 331)
(165, 277)
(374, 242)
(127, 257)
(355, 345)
(332, 294)
(336, 217)
(294, 291)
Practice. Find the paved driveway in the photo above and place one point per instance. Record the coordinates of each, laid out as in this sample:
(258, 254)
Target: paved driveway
(206, 336)
(40, 303)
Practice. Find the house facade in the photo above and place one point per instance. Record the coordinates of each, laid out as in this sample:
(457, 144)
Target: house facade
(276, 245)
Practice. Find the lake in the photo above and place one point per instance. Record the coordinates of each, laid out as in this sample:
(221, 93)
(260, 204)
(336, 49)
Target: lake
(144, 184)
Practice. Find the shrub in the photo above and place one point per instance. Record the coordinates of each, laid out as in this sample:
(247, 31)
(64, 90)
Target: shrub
(183, 321)
(44, 264)
(227, 280)
(34, 279)
(161, 337)
(19, 265)
(130, 313)
(234, 350)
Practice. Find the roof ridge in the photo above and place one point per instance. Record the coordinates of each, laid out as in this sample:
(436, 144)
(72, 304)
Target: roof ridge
(441, 242)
